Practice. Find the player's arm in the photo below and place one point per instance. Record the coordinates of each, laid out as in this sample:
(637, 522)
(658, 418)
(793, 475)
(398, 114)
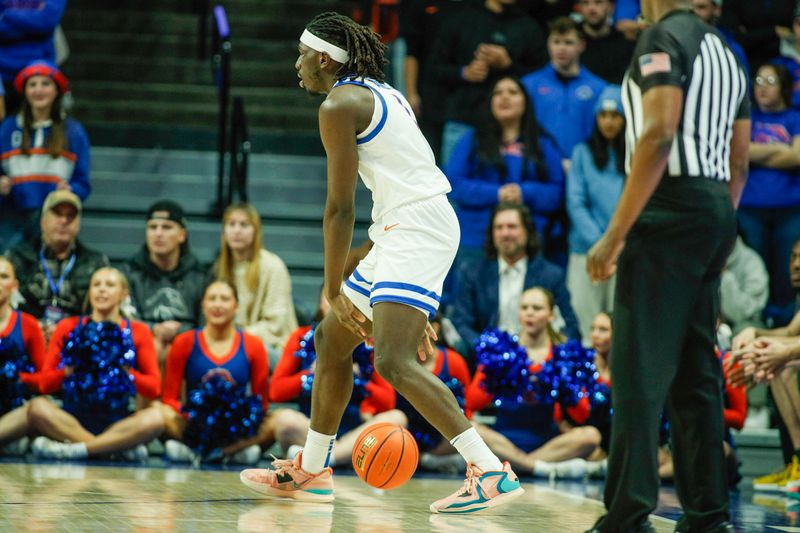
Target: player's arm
(338, 127)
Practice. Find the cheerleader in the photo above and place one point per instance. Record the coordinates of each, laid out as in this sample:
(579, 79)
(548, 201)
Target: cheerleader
(526, 433)
(97, 419)
(373, 398)
(218, 350)
(21, 345)
(600, 416)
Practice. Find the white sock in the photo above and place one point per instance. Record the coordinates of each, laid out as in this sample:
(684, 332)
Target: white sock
(543, 469)
(317, 452)
(472, 448)
(76, 450)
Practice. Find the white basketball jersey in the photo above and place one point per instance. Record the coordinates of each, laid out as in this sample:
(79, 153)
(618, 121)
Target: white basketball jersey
(395, 161)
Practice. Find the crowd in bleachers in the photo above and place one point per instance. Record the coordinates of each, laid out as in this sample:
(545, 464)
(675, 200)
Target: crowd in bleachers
(520, 101)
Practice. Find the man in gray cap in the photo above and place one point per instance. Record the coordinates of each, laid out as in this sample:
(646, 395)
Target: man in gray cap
(54, 270)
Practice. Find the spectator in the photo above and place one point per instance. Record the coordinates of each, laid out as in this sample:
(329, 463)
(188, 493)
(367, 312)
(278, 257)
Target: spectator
(608, 52)
(419, 26)
(197, 355)
(509, 158)
(55, 269)
(744, 288)
(769, 215)
(21, 343)
(544, 11)
(594, 186)
(489, 289)
(371, 402)
(564, 93)
(475, 47)
(27, 29)
(261, 279)
(525, 432)
(790, 57)
(628, 18)
(709, 12)
(165, 277)
(758, 25)
(41, 150)
(88, 424)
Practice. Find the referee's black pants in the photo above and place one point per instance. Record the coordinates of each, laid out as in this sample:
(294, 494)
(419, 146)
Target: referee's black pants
(665, 310)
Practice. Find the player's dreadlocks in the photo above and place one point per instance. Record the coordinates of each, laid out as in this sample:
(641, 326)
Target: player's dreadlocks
(362, 44)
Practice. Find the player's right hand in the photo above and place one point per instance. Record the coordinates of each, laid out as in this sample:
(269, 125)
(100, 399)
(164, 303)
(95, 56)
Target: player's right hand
(348, 316)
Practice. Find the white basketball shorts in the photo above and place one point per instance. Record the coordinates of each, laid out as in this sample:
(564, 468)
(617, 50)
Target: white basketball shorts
(415, 245)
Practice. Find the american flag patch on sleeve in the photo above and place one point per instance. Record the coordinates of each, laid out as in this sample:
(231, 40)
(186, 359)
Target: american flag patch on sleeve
(654, 63)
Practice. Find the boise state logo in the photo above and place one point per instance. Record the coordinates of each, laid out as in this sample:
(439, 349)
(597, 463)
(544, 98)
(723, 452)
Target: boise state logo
(222, 373)
(768, 133)
(584, 92)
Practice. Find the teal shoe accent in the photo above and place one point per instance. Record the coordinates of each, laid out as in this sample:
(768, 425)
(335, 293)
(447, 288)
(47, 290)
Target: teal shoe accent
(319, 491)
(507, 485)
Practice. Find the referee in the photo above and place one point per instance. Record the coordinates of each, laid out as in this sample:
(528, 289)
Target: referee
(688, 129)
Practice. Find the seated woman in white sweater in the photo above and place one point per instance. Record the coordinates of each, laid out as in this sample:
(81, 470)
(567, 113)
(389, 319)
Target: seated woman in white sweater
(262, 280)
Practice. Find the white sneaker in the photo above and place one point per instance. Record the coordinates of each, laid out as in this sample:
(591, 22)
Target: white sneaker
(544, 470)
(293, 450)
(178, 452)
(571, 469)
(136, 454)
(51, 449)
(597, 469)
(248, 456)
(16, 448)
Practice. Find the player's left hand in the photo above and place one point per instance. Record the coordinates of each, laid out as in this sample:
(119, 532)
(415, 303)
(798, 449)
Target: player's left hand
(427, 345)
(601, 262)
(348, 316)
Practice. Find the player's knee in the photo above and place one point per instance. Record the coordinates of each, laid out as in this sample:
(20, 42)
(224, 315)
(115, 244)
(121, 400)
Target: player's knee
(391, 368)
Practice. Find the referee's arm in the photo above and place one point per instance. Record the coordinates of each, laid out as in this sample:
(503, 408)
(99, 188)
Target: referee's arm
(740, 159)
(661, 110)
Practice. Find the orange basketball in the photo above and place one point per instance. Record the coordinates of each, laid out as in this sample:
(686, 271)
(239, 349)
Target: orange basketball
(385, 455)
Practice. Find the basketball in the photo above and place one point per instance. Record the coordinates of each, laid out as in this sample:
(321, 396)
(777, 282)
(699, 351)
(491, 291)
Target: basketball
(385, 455)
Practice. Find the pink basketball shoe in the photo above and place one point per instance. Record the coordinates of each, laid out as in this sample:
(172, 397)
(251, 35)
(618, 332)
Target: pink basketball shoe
(288, 480)
(480, 491)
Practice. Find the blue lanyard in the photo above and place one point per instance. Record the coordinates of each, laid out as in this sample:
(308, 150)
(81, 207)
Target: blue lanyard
(55, 288)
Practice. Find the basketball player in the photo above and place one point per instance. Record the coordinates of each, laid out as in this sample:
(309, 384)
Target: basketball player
(368, 128)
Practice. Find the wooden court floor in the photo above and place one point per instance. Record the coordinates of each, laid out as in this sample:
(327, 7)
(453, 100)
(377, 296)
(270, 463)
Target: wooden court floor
(56, 497)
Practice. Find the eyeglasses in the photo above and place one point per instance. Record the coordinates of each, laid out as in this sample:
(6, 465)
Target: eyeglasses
(766, 80)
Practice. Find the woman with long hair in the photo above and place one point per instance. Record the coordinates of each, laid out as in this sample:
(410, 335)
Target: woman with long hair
(769, 214)
(526, 433)
(41, 150)
(594, 185)
(509, 158)
(261, 279)
(100, 362)
(22, 349)
(217, 350)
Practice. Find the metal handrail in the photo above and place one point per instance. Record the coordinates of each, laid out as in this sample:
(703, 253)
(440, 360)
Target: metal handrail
(240, 152)
(221, 68)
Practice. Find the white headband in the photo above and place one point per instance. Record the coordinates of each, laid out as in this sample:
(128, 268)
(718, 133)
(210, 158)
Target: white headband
(321, 45)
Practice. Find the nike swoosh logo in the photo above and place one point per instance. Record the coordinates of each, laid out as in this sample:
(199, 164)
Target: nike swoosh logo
(387, 228)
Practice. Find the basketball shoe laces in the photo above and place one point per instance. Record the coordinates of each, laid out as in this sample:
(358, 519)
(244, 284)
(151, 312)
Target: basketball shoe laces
(471, 482)
(282, 466)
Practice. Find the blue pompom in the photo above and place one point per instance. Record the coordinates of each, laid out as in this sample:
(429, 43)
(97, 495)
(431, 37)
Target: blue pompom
(99, 353)
(568, 376)
(362, 356)
(506, 366)
(13, 361)
(220, 413)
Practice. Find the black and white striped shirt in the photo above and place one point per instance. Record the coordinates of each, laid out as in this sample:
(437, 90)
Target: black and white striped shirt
(683, 51)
